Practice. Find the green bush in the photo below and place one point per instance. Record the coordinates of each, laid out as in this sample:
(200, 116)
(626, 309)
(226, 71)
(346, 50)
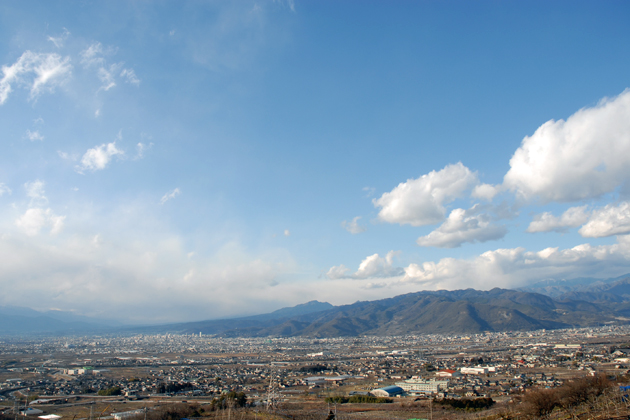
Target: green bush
(110, 391)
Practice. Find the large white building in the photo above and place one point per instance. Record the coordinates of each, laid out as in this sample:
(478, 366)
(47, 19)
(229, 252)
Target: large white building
(421, 386)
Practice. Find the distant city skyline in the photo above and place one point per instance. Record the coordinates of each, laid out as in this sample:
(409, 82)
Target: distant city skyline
(169, 162)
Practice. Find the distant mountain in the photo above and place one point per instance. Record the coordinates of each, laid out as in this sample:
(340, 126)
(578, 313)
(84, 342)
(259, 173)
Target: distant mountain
(245, 325)
(19, 320)
(559, 287)
(449, 312)
(302, 309)
(601, 292)
(591, 303)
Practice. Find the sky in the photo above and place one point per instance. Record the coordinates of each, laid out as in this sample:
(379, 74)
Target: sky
(178, 161)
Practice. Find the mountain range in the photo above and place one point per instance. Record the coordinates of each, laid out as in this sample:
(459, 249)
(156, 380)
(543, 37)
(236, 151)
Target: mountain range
(549, 304)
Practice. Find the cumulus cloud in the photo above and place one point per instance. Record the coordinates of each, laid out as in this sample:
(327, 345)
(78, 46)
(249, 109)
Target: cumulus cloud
(515, 267)
(373, 266)
(463, 226)
(34, 219)
(485, 191)
(547, 222)
(583, 157)
(421, 201)
(353, 226)
(611, 220)
(287, 232)
(38, 71)
(97, 158)
(170, 195)
(34, 135)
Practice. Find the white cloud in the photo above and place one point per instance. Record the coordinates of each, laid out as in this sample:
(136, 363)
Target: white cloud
(338, 272)
(353, 226)
(170, 196)
(67, 156)
(287, 232)
(4, 189)
(40, 72)
(106, 77)
(611, 220)
(290, 3)
(34, 135)
(485, 191)
(98, 157)
(421, 201)
(35, 191)
(95, 55)
(583, 157)
(130, 76)
(515, 267)
(547, 222)
(34, 219)
(129, 275)
(463, 226)
(59, 40)
(373, 266)
(141, 148)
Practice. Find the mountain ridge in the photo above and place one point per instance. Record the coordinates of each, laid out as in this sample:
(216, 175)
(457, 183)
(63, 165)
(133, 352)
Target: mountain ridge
(463, 311)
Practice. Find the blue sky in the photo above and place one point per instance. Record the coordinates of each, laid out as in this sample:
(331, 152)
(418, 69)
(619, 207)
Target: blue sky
(173, 161)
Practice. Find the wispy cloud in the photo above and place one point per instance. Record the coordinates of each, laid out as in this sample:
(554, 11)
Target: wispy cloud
(58, 41)
(35, 191)
(34, 135)
(353, 226)
(4, 189)
(170, 195)
(141, 148)
(38, 71)
(95, 56)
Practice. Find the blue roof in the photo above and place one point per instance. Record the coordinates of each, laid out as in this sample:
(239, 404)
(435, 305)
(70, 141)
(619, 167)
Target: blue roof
(392, 389)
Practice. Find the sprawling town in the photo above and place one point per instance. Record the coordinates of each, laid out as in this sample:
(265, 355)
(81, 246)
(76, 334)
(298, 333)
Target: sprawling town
(359, 377)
